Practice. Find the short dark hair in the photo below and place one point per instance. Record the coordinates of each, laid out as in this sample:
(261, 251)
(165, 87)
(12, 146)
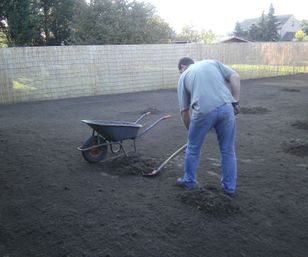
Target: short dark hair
(185, 61)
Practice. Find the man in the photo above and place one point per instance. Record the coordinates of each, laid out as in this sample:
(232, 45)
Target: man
(207, 102)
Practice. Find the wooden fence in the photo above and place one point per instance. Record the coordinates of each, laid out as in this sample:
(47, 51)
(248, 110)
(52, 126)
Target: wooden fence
(42, 73)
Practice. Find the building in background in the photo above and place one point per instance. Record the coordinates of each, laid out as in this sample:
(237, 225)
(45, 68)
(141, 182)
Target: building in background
(287, 26)
(234, 39)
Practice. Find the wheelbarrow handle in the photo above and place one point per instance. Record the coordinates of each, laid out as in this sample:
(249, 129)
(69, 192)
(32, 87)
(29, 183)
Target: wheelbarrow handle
(154, 124)
(167, 116)
(142, 116)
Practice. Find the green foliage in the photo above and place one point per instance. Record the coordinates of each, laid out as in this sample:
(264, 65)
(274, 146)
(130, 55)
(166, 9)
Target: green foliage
(305, 26)
(52, 22)
(20, 21)
(265, 30)
(271, 33)
(36, 22)
(159, 31)
(208, 37)
(3, 40)
(247, 70)
(56, 17)
(239, 32)
(119, 22)
(254, 32)
(258, 32)
(301, 36)
(189, 34)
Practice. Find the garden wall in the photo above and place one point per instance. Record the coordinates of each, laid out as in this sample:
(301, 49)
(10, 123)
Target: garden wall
(41, 73)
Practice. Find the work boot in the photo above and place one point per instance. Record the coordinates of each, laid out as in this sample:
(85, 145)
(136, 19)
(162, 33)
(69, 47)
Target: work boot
(180, 183)
(230, 194)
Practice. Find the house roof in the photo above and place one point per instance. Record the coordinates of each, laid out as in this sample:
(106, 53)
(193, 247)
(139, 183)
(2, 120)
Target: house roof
(289, 36)
(234, 39)
(281, 20)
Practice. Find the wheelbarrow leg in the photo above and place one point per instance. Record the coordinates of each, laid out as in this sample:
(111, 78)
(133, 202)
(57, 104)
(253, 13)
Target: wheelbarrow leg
(123, 149)
(135, 149)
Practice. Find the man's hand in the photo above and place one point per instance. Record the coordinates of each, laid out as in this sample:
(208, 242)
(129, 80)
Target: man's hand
(236, 108)
(186, 118)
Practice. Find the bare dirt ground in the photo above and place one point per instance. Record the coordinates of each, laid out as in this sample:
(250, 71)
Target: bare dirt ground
(55, 204)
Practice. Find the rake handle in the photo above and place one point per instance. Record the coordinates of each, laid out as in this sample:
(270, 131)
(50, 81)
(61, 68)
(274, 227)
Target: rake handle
(177, 152)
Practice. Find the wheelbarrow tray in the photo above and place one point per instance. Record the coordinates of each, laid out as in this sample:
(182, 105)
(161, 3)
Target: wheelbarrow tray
(114, 130)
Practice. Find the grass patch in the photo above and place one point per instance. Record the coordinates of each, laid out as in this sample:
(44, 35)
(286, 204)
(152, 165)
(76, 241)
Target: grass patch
(268, 70)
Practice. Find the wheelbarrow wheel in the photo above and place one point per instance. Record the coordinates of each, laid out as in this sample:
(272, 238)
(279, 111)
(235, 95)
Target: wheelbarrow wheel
(96, 154)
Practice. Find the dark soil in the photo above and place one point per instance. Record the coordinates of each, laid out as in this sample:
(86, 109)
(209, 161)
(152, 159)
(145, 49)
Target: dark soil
(131, 165)
(254, 110)
(291, 89)
(300, 124)
(55, 204)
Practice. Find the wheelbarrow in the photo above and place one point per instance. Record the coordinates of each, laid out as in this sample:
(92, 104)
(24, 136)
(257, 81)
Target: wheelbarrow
(112, 134)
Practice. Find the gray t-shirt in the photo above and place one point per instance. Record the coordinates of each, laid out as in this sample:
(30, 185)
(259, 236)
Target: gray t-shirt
(203, 87)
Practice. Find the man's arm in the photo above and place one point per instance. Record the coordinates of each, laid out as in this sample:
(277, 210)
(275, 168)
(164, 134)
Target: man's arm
(235, 83)
(186, 118)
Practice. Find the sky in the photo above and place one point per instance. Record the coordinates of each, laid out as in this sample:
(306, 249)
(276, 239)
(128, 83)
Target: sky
(220, 16)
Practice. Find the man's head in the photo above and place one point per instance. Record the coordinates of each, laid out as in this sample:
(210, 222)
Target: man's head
(184, 63)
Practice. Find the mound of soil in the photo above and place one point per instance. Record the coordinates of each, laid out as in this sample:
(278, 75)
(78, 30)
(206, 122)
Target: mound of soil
(300, 124)
(300, 150)
(211, 200)
(296, 147)
(290, 89)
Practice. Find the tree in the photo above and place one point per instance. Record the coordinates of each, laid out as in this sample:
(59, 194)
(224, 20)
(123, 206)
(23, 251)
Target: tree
(265, 29)
(21, 22)
(208, 37)
(190, 34)
(238, 31)
(82, 29)
(253, 33)
(3, 40)
(305, 26)
(119, 22)
(257, 32)
(3, 29)
(271, 26)
(56, 17)
(52, 22)
(37, 22)
(159, 31)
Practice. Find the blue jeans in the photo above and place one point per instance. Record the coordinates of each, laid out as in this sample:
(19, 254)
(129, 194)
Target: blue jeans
(222, 119)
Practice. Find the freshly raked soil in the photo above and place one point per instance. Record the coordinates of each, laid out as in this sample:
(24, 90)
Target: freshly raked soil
(55, 204)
